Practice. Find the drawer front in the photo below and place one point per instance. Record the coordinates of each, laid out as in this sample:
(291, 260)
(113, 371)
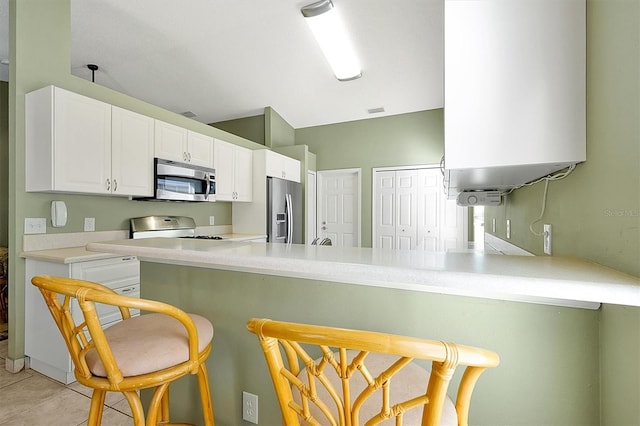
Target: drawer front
(113, 273)
(121, 274)
(111, 314)
(108, 314)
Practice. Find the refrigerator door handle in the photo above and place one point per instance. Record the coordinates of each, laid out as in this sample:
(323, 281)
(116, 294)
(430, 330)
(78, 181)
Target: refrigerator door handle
(289, 206)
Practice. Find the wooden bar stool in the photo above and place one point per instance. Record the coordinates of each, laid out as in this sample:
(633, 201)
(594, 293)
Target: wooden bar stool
(364, 377)
(146, 351)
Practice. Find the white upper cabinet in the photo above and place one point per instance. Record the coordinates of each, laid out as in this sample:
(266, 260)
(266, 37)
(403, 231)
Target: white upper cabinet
(281, 166)
(170, 142)
(69, 146)
(234, 172)
(200, 149)
(131, 153)
(185, 146)
(515, 99)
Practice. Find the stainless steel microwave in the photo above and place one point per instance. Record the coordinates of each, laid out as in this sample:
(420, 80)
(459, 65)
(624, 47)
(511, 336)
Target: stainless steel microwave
(183, 182)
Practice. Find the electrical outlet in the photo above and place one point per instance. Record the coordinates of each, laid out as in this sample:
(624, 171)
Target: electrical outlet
(212, 220)
(89, 224)
(546, 238)
(35, 225)
(250, 407)
(508, 228)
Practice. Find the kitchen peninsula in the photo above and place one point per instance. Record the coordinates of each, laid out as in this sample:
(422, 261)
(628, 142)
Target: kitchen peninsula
(541, 314)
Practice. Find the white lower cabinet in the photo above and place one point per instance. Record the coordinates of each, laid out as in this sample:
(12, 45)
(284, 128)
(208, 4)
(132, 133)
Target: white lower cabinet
(43, 344)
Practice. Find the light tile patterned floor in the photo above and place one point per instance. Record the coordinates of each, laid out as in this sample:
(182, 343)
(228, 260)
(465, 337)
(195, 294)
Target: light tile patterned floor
(29, 398)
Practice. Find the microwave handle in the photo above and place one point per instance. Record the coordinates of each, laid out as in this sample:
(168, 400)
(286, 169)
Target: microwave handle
(208, 180)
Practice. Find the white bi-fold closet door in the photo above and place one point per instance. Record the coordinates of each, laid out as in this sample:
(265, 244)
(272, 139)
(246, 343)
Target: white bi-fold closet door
(411, 212)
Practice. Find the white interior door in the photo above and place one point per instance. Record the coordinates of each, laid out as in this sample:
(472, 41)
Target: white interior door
(407, 209)
(385, 206)
(430, 201)
(311, 207)
(411, 212)
(339, 207)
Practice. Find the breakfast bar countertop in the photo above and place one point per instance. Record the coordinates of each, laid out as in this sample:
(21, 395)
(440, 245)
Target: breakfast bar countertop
(561, 281)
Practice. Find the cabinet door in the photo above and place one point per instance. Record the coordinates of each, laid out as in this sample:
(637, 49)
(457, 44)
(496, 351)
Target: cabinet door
(243, 174)
(273, 164)
(82, 141)
(281, 166)
(199, 149)
(170, 142)
(131, 153)
(290, 169)
(223, 163)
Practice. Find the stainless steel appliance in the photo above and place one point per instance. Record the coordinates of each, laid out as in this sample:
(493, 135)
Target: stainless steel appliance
(166, 227)
(284, 211)
(183, 182)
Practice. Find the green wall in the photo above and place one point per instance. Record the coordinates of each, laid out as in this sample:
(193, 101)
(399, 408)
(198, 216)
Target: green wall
(399, 140)
(588, 210)
(548, 373)
(595, 212)
(251, 128)
(277, 131)
(620, 365)
(4, 163)
(40, 34)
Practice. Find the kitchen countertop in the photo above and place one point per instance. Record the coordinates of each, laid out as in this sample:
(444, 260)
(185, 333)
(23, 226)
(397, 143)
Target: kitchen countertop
(549, 280)
(68, 247)
(71, 247)
(242, 237)
(66, 255)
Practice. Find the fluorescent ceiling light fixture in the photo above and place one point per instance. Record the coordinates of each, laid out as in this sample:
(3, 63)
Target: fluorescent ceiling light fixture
(331, 34)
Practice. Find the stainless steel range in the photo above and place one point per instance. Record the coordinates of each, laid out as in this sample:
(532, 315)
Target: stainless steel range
(166, 227)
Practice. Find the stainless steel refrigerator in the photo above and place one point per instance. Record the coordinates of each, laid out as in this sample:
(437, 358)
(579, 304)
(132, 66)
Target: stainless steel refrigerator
(284, 211)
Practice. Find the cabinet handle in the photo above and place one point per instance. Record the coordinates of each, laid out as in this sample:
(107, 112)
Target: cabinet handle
(184, 156)
(115, 185)
(108, 185)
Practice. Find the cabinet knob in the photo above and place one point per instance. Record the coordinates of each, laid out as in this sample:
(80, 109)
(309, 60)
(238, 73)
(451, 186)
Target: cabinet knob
(108, 185)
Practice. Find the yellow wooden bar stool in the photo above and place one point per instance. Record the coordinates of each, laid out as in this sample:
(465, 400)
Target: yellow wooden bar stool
(146, 351)
(364, 377)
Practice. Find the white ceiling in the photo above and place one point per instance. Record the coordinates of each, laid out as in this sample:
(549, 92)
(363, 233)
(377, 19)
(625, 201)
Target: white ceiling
(226, 59)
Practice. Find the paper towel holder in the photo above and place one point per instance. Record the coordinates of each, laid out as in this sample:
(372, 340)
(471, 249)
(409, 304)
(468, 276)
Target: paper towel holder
(58, 214)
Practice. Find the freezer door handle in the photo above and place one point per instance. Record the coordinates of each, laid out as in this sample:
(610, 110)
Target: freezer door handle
(289, 208)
